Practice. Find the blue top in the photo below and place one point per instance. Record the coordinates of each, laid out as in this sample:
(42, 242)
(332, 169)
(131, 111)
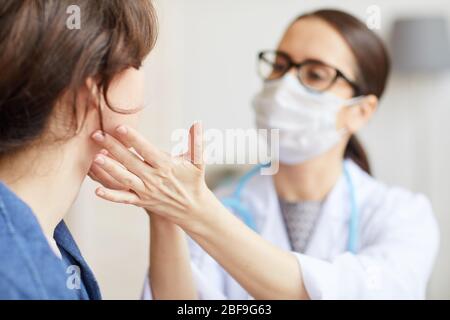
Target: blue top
(29, 268)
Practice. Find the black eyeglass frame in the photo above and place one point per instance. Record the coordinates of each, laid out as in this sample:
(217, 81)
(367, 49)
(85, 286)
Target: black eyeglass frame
(298, 66)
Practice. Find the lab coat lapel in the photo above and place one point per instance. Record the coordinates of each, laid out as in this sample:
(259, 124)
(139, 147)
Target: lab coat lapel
(330, 235)
(331, 232)
(265, 206)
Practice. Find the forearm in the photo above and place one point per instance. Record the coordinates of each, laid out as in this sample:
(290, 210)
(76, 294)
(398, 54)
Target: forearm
(170, 271)
(174, 187)
(264, 270)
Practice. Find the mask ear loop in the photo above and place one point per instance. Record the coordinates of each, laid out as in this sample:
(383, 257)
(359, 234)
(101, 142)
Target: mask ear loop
(353, 102)
(99, 106)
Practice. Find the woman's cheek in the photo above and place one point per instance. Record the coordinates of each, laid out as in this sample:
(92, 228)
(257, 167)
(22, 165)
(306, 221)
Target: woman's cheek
(341, 119)
(111, 120)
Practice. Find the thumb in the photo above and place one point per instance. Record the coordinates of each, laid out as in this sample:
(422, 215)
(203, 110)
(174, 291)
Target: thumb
(195, 151)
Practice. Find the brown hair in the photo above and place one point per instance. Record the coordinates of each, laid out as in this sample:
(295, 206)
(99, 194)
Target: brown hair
(372, 61)
(42, 58)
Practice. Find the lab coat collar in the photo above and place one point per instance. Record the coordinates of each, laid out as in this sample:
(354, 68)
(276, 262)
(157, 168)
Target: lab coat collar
(333, 220)
(262, 199)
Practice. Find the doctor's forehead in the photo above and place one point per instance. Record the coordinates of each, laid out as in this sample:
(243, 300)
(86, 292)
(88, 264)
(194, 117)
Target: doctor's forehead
(313, 38)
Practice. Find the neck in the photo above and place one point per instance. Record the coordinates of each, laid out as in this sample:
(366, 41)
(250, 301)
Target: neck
(309, 181)
(47, 180)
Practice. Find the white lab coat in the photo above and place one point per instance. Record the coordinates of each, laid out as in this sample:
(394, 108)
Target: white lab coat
(398, 241)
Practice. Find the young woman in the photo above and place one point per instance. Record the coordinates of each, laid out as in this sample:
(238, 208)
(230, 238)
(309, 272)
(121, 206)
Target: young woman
(58, 86)
(323, 227)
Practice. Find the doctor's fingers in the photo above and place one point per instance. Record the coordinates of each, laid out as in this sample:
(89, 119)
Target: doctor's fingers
(101, 176)
(195, 150)
(118, 151)
(152, 155)
(114, 169)
(118, 196)
(108, 154)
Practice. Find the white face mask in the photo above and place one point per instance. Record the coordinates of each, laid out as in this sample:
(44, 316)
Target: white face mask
(306, 120)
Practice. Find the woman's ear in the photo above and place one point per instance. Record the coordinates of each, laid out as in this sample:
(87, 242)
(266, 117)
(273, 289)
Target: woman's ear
(358, 116)
(91, 102)
(93, 92)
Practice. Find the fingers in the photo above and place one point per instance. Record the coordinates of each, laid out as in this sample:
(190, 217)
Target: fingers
(118, 151)
(101, 176)
(119, 196)
(106, 153)
(124, 177)
(92, 175)
(195, 151)
(150, 153)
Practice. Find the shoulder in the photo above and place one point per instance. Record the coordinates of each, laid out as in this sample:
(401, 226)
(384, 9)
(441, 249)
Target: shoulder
(14, 276)
(10, 289)
(376, 193)
(393, 207)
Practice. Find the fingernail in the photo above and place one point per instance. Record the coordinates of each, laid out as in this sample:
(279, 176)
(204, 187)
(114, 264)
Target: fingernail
(99, 160)
(100, 192)
(122, 130)
(98, 136)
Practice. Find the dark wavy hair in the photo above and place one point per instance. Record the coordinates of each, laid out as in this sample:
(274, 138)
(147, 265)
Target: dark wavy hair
(42, 59)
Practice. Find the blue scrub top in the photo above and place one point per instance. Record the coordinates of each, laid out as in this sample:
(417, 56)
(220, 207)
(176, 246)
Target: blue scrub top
(29, 269)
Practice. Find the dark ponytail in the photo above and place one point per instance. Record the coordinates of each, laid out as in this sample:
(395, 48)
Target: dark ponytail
(372, 61)
(356, 152)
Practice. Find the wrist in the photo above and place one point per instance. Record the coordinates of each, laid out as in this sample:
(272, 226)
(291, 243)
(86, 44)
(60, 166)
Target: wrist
(209, 214)
(159, 223)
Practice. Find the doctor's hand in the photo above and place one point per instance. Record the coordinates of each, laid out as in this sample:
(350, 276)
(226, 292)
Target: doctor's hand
(98, 174)
(175, 188)
(142, 175)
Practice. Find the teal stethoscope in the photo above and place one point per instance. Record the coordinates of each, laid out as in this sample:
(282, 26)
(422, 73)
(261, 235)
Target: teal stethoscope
(235, 203)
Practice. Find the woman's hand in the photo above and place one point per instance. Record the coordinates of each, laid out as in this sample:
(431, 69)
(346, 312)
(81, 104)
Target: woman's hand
(172, 187)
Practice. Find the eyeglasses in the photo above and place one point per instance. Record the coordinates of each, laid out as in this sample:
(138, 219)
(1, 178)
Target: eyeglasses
(313, 74)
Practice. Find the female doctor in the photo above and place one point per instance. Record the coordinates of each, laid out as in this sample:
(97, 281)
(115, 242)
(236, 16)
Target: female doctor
(322, 227)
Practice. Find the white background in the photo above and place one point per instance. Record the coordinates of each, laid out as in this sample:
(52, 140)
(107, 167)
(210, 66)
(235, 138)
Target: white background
(203, 68)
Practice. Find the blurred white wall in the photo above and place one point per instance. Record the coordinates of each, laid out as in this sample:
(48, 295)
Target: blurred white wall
(203, 68)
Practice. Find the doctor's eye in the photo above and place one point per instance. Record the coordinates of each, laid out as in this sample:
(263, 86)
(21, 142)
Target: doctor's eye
(272, 65)
(317, 76)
